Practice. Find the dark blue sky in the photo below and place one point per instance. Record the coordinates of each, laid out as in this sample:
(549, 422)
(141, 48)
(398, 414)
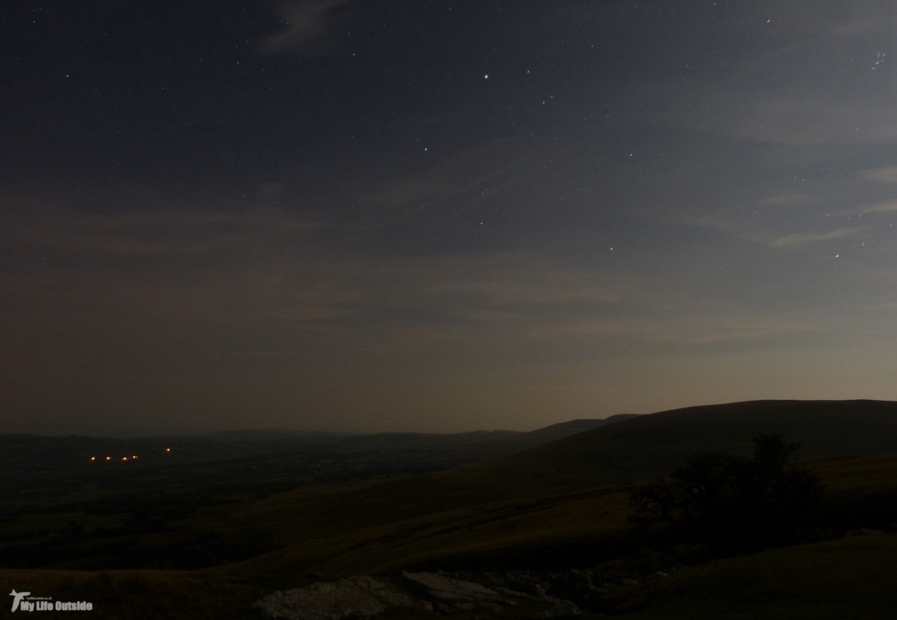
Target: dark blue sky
(366, 214)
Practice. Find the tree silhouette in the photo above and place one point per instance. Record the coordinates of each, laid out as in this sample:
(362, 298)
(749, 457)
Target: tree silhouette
(732, 503)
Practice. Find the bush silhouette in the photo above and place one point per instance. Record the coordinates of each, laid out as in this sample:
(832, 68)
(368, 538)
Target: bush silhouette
(729, 502)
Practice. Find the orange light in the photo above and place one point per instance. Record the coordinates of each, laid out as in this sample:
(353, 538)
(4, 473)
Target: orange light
(168, 449)
(124, 458)
(108, 458)
(134, 457)
(93, 458)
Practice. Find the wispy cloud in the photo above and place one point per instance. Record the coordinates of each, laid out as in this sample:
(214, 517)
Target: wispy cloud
(882, 175)
(777, 91)
(745, 230)
(740, 229)
(692, 330)
(452, 184)
(309, 28)
(149, 234)
(139, 274)
(785, 200)
(233, 268)
(798, 239)
(885, 206)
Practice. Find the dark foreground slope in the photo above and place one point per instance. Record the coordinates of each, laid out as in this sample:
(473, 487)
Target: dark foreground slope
(850, 577)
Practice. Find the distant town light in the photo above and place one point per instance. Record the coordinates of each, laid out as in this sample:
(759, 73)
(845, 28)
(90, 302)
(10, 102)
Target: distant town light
(168, 449)
(124, 458)
(134, 457)
(93, 458)
(108, 458)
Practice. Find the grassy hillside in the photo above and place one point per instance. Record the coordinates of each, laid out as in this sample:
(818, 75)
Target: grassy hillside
(577, 482)
(577, 528)
(851, 576)
(644, 446)
(631, 450)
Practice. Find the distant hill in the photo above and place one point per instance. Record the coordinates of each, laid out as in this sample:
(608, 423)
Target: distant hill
(640, 447)
(412, 441)
(573, 427)
(309, 438)
(471, 447)
(644, 446)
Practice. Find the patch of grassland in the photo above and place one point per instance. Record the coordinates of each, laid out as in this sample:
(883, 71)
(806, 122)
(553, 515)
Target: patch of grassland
(428, 520)
(852, 577)
(563, 530)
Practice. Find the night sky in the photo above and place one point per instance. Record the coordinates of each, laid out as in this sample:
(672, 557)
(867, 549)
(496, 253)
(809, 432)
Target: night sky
(441, 215)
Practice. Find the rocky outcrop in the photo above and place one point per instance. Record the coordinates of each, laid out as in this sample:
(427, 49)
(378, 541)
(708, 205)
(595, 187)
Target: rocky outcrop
(544, 594)
(569, 591)
(440, 588)
(563, 609)
(448, 594)
(353, 597)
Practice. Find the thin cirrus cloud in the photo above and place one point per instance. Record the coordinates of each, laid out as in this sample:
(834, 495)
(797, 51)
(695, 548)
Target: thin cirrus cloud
(815, 74)
(240, 279)
(809, 118)
(309, 28)
(887, 206)
(738, 229)
(452, 184)
(882, 175)
(799, 239)
(785, 200)
(232, 268)
(692, 330)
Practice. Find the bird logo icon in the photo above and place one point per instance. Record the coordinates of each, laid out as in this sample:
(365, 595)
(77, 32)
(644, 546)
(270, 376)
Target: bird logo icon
(17, 598)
